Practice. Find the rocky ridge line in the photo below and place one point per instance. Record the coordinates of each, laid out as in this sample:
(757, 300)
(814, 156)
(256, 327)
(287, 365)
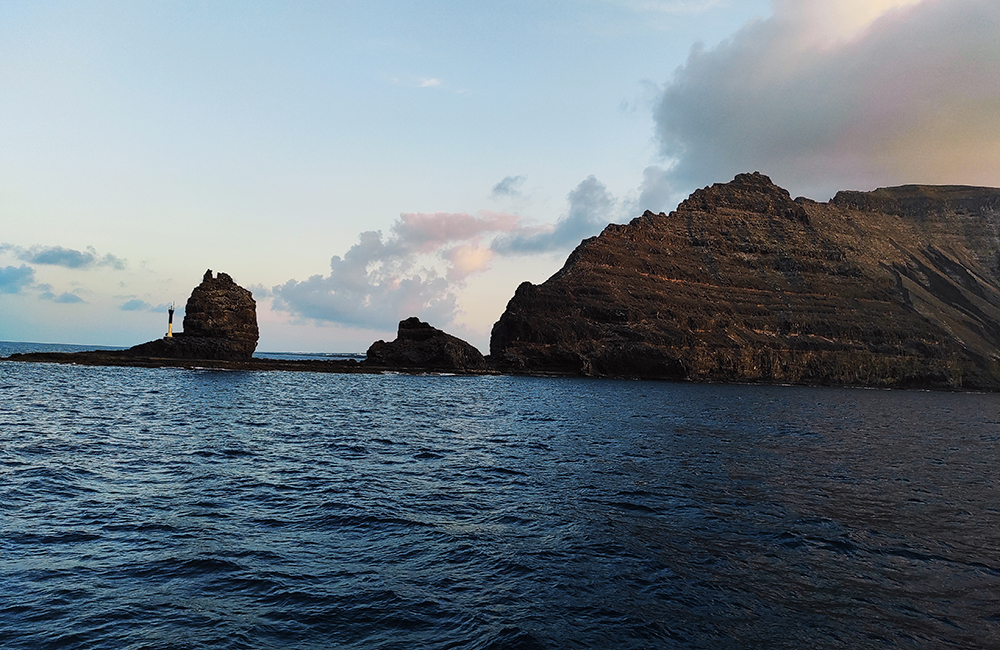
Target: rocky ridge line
(742, 283)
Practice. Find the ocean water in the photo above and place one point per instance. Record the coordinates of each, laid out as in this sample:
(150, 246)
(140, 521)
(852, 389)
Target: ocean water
(170, 508)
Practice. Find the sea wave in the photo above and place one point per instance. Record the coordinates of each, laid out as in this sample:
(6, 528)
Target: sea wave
(147, 508)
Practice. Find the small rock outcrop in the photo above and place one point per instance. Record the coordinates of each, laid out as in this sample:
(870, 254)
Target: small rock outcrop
(742, 283)
(221, 309)
(420, 346)
(220, 322)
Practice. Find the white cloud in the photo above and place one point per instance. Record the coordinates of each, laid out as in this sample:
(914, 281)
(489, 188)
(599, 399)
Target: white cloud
(426, 258)
(510, 186)
(591, 208)
(656, 191)
(383, 279)
(64, 298)
(467, 259)
(827, 95)
(65, 257)
(136, 304)
(823, 22)
(13, 279)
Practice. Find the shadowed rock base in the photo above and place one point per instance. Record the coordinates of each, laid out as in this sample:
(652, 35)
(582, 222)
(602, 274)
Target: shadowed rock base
(182, 346)
(418, 345)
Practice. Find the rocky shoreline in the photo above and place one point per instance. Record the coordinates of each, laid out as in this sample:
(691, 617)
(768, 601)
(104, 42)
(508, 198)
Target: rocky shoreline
(894, 288)
(418, 349)
(112, 358)
(351, 366)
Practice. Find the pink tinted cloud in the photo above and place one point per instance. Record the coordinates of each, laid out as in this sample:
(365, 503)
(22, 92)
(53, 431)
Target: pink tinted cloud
(428, 231)
(466, 260)
(380, 279)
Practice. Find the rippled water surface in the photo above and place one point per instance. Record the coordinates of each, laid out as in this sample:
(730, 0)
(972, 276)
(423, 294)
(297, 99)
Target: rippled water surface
(171, 508)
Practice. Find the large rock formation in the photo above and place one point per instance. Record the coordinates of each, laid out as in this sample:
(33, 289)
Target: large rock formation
(220, 322)
(420, 346)
(896, 287)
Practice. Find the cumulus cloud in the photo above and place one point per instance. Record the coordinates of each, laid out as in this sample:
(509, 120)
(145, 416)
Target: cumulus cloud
(15, 278)
(466, 260)
(259, 291)
(591, 207)
(656, 191)
(64, 298)
(383, 279)
(65, 257)
(419, 266)
(136, 305)
(425, 232)
(510, 186)
(834, 94)
(59, 256)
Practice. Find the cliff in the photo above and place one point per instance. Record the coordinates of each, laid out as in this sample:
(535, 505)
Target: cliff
(895, 287)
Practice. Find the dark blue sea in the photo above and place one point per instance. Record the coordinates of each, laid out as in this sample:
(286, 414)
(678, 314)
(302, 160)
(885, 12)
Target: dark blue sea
(172, 508)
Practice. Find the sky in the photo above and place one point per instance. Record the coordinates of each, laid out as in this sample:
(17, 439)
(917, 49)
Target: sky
(357, 163)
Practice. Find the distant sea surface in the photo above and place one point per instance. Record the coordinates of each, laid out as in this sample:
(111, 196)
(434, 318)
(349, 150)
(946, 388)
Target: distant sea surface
(170, 508)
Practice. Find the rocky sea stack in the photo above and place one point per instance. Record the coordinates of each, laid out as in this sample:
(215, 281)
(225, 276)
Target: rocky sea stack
(895, 287)
(420, 346)
(220, 322)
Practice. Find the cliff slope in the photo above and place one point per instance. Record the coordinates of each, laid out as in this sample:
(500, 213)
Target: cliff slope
(895, 287)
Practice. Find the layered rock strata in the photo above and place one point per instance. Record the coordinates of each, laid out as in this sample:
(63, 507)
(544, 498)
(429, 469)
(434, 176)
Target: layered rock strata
(895, 287)
(421, 346)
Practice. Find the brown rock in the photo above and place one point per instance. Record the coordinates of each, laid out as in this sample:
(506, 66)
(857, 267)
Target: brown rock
(896, 287)
(418, 345)
(220, 322)
(221, 309)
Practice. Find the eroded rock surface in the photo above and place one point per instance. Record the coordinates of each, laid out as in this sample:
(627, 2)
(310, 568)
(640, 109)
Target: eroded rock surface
(421, 346)
(896, 287)
(221, 309)
(220, 322)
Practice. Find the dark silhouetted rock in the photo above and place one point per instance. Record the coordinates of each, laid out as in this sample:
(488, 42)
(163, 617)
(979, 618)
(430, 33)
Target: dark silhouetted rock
(220, 322)
(420, 346)
(895, 287)
(221, 309)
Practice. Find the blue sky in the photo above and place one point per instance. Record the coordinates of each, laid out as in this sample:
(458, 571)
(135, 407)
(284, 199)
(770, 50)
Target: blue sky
(355, 163)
